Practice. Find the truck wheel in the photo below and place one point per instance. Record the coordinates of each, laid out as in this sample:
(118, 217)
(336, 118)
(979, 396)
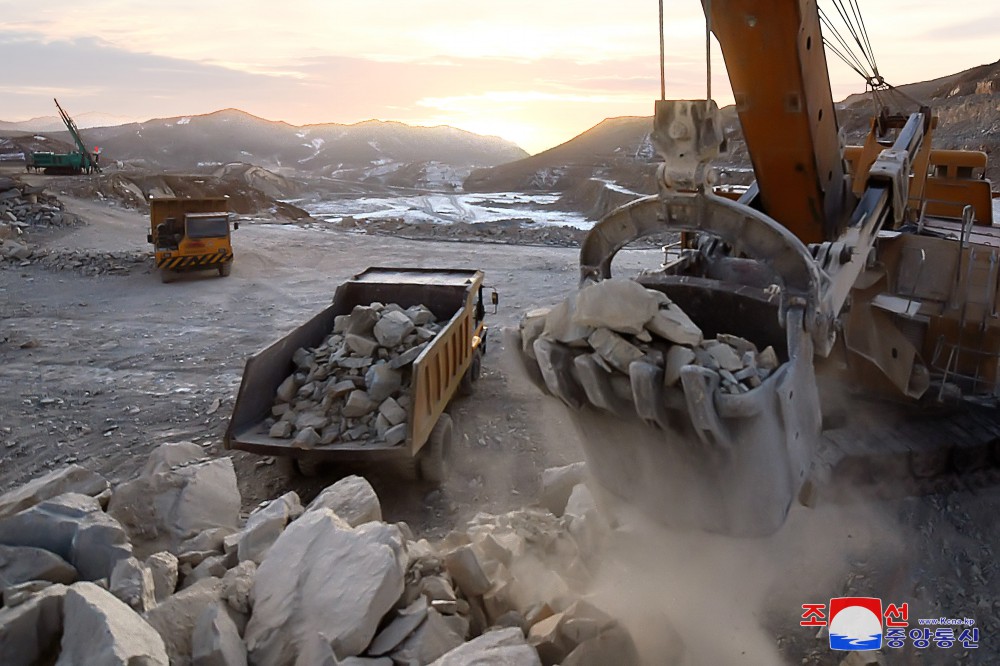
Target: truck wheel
(465, 386)
(225, 268)
(297, 467)
(432, 461)
(167, 277)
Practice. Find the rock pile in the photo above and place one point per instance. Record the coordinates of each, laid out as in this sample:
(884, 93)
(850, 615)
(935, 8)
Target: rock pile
(85, 262)
(168, 575)
(23, 207)
(621, 342)
(355, 386)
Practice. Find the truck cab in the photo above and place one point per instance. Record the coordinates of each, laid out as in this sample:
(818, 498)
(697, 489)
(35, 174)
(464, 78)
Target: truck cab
(191, 235)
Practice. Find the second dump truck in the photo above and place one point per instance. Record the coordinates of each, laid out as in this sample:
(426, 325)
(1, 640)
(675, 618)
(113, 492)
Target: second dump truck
(445, 367)
(191, 235)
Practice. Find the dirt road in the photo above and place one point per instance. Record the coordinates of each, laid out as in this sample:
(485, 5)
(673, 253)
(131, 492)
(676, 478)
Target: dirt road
(115, 365)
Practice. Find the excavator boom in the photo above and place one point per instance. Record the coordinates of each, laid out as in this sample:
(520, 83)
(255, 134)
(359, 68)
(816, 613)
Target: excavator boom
(696, 392)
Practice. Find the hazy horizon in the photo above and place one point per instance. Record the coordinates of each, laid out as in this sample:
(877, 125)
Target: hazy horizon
(532, 73)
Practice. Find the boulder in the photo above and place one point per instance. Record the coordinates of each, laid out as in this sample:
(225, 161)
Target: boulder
(170, 503)
(673, 324)
(358, 404)
(467, 571)
(216, 640)
(392, 412)
(362, 320)
(361, 345)
(433, 638)
(132, 582)
(676, 359)
(30, 631)
(322, 576)
(404, 624)
(559, 326)
(237, 586)
(22, 564)
(101, 630)
(558, 483)
(163, 566)
(353, 500)
(618, 304)
(502, 647)
(392, 327)
(407, 357)
(176, 616)
(265, 525)
(614, 349)
(70, 479)
(382, 381)
(74, 527)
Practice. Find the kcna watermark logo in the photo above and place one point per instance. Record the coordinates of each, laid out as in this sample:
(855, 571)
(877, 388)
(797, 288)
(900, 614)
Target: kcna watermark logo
(862, 623)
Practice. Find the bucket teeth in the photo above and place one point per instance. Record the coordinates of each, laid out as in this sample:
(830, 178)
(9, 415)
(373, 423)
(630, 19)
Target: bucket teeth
(556, 364)
(596, 382)
(647, 391)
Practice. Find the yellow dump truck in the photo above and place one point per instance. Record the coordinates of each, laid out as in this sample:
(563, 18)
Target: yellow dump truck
(446, 366)
(190, 235)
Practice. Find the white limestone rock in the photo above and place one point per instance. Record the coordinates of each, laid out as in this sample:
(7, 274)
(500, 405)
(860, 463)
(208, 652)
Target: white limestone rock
(392, 327)
(558, 483)
(132, 582)
(163, 567)
(175, 617)
(265, 525)
(100, 630)
(171, 503)
(216, 640)
(22, 564)
(69, 479)
(433, 638)
(673, 324)
(502, 647)
(353, 500)
(74, 527)
(237, 586)
(30, 631)
(619, 304)
(322, 576)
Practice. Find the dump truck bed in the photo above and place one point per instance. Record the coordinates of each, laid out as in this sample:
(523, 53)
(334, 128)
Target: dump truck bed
(449, 293)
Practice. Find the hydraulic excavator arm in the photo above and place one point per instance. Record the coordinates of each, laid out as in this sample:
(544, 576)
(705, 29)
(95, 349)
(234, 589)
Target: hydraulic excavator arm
(775, 268)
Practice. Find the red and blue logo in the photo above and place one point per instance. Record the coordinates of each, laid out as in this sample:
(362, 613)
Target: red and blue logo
(855, 623)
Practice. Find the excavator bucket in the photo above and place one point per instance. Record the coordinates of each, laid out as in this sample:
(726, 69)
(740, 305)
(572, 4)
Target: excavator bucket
(692, 387)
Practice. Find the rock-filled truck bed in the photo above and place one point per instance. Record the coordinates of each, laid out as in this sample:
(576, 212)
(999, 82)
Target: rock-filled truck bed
(367, 377)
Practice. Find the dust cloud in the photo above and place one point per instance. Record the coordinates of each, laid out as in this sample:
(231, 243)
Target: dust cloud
(692, 598)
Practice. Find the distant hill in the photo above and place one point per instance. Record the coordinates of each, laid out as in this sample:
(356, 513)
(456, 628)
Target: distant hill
(231, 135)
(55, 124)
(597, 169)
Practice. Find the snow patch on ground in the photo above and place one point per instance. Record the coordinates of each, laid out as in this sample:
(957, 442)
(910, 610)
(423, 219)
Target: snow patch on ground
(615, 187)
(441, 208)
(184, 121)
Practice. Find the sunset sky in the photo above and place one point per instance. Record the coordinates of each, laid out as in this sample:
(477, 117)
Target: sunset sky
(537, 73)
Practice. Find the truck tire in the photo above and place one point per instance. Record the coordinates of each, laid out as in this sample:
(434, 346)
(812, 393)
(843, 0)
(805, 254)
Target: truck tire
(432, 461)
(291, 467)
(466, 384)
(166, 277)
(225, 268)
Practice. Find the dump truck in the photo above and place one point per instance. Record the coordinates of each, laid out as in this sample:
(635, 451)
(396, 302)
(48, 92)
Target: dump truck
(82, 160)
(191, 235)
(447, 365)
(866, 278)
